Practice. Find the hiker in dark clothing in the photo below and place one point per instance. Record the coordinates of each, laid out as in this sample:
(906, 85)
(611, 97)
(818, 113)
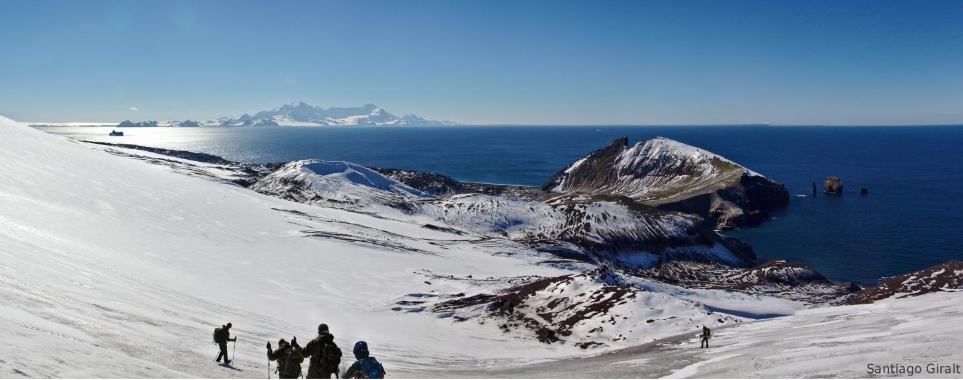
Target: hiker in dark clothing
(814, 189)
(222, 335)
(288, 357)
(705, 337)
(366, 367)
(325, 355)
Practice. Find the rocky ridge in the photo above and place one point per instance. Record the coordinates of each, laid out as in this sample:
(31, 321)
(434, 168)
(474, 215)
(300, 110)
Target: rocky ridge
(674, 176)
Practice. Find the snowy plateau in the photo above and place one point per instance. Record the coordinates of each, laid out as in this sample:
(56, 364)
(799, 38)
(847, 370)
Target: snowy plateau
(118, 262)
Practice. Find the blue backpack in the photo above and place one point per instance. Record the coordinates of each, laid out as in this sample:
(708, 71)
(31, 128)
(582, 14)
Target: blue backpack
(370, 369)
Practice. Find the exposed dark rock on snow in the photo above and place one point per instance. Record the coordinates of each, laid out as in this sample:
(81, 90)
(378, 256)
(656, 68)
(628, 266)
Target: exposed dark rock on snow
(442, 186)
(674, 176)
(588, 310)
(431, 183)
(792, 280)
(780, 272)
(607, 229)
(833, 185)
(863, 190)
(946, 276)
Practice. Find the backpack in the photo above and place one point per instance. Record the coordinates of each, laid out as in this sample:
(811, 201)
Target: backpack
(217, 335)
(292, 367)
(330, 357)
(370, 369)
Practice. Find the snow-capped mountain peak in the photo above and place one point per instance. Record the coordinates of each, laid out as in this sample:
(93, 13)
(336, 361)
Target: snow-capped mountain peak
(299, 113)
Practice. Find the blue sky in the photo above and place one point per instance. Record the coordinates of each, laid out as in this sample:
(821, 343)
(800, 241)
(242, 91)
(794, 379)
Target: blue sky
(529, 62)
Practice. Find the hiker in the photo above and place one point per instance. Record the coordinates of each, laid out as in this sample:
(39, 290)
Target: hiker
(222, 335)
(706, 333)
(366, 367)
(814, 189)
(288, 357)
(325, 355)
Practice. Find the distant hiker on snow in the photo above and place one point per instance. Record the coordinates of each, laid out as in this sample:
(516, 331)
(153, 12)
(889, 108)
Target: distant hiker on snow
(706, 333)
(288, 357)
(325, 355)
(222, 335)
(366, 367)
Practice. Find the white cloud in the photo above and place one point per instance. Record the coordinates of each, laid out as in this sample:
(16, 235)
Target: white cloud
(132, 108)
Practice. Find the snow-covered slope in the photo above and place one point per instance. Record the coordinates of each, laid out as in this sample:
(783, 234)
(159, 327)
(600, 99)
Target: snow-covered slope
(604, 230)
(594, 309)
(337, 184)
(114, 267)
(595, 229)
(674, 176)
(921, 334)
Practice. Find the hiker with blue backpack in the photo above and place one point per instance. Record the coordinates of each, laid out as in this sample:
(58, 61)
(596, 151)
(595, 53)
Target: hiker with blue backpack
(366, 367)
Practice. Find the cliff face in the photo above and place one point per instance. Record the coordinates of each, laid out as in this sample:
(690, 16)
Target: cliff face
(674, 176)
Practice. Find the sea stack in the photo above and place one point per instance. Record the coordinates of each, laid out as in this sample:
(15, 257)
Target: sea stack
(833, 185)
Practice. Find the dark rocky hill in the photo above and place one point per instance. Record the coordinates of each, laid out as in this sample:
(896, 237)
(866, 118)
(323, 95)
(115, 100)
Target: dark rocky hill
(674, 176)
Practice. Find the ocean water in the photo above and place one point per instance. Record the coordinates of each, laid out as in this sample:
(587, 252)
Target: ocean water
(912, 217)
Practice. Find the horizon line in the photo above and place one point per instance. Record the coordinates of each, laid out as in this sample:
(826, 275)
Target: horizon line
(83, 124)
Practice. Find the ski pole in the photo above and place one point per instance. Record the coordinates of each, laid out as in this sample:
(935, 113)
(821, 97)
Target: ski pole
(232, 349)
(269, 368)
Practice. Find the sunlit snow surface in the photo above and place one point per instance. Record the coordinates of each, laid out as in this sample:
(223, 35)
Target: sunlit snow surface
(833, 342)
(112, 267)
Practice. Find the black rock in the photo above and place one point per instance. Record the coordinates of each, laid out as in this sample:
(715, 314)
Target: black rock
(833, 185)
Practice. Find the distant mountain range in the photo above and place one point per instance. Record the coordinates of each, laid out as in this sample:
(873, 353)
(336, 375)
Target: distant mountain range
(301, 114)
